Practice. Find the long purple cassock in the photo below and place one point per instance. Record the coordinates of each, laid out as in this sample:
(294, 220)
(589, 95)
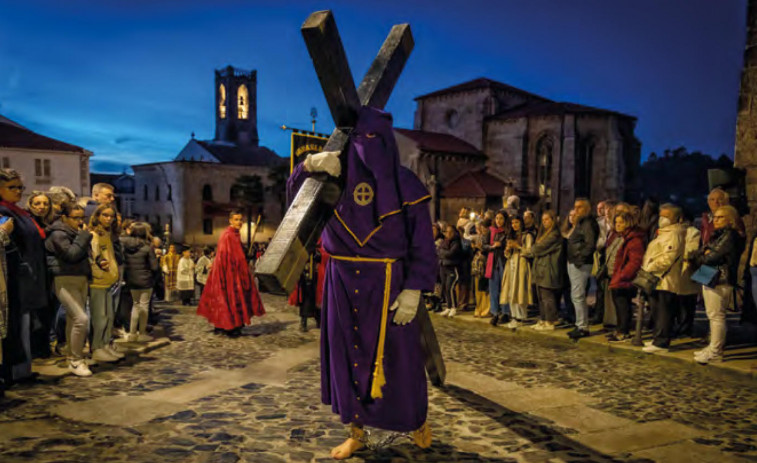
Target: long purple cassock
(380, 242)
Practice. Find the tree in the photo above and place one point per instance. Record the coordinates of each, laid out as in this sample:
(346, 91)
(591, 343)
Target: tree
(278, 175)
(247, 193)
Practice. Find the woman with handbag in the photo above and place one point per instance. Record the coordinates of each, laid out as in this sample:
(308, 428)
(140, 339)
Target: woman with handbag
(722, 252)
(662, 268)
(624, 257)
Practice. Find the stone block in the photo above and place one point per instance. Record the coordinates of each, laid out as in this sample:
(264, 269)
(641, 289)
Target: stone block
(688, 452)
(637, 436)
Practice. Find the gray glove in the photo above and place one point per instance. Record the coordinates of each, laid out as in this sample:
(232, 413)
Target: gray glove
(327, 161)
(406, 306)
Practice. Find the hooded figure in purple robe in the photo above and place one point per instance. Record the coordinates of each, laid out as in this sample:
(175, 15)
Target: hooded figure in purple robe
(382, 257)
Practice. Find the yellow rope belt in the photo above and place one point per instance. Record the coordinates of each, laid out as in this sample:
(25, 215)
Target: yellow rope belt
(379, 380)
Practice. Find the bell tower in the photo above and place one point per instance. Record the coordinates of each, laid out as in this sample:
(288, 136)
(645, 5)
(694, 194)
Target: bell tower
(236, 106)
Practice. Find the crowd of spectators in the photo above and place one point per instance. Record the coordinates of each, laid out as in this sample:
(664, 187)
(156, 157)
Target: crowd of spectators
(502, 263)
(75, 277)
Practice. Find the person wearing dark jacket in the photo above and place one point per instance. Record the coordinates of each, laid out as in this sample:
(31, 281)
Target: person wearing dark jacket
(548, 270)
(581, 246)
(451, 257)
(493, 246)
(722, 252)
(622, 267)
(140, 268)
(67, 247)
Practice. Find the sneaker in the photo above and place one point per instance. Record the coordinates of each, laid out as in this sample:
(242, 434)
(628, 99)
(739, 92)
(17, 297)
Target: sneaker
(452, 313)
(102, 355)
(700, 353)
(144, 338)
(651, 349)
(708, 357)
(547, 326)
(79, 368)
(537, 326)
(494, 321)
(112, 350)
(578, 333)
(514, 324)
(444, 312)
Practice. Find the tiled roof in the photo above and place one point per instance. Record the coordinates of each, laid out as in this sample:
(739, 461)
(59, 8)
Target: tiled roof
(544, 108)
(242, 156)
(474, 184)
(440, 142)
(13, 135)
(479, 84)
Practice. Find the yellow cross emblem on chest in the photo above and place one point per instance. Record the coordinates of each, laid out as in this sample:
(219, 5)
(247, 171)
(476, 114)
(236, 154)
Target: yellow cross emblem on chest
(363, 194)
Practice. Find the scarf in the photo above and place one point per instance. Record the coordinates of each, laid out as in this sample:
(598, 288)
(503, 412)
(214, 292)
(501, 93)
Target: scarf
(22, 213)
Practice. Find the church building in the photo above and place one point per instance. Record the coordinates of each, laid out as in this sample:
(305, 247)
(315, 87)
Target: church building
(192, 195)
(546, 152)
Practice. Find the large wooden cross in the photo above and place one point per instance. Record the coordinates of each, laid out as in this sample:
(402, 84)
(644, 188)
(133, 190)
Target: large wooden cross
(296, 237)
(286, 257)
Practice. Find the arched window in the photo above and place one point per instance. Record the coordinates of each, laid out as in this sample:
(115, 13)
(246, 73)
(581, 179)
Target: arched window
(544, 152)
(170, 193)
(157, 193)
(584, 161)
(243, 102)
(222, 101)
(145, 193)
(207, 193)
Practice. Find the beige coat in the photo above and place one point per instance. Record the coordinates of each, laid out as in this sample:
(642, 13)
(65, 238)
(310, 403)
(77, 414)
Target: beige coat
(666, 252)
(516, 280)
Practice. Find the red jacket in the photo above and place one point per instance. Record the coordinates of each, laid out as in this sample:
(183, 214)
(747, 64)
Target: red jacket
(628, 260)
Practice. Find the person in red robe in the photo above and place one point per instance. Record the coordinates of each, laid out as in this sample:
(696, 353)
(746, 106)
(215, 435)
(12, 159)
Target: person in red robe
(230, 298)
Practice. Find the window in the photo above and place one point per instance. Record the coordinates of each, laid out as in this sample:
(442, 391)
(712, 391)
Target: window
(157, 193)
(207, 193)
(38, 167)
(46, 167)
(207, 226)
(243, 107)
(145, 195)
(222, 101)
(544, 150)
(6, 162)
(170, 194)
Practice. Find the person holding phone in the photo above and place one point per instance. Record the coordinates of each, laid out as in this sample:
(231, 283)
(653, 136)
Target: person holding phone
(104, 276)
(67, 247)
(27, 278)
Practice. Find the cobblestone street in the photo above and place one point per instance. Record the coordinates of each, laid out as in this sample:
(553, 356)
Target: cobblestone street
(510, 398)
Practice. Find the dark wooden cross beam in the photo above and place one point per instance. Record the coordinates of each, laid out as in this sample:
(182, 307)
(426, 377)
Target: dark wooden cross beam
(286, 257)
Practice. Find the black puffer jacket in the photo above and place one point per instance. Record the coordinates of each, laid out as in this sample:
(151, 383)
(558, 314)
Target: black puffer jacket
(140, 263)
(67, 250)
(725, 248)
(583, 242)
(451, 253)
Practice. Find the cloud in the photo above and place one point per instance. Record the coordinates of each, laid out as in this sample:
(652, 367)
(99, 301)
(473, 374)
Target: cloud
(108, 167)
(123, 139)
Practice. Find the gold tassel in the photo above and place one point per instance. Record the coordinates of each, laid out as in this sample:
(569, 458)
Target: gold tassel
(379, 380)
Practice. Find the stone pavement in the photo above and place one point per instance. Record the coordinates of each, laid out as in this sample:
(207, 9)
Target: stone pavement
(740, 354)
(510, 397)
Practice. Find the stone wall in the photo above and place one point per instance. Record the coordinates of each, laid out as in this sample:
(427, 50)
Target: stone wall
(746, 125)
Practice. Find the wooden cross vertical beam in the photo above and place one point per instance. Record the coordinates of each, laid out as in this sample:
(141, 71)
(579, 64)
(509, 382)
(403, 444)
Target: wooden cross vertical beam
(286, 257)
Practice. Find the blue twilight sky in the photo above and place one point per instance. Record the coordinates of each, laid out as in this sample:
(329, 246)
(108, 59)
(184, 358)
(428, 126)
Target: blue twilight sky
(130, 80)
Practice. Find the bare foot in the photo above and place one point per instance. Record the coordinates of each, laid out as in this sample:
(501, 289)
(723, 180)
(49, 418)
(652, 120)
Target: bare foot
(346, 449)
(422, 436)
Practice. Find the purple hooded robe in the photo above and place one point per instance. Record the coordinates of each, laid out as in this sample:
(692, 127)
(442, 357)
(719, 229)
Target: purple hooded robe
(380, 243)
